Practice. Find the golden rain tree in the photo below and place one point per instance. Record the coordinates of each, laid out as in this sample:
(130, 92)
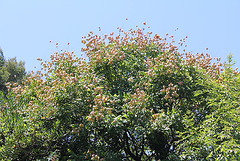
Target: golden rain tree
(135, 98)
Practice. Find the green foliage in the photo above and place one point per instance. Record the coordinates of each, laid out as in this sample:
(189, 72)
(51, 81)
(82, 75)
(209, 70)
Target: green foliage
(11, 71)
(230, 61)
(16, 70)
(137, 98)
(20, 137)
(1, 58)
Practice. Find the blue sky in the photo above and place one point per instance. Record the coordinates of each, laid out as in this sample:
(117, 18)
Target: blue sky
(27, 26)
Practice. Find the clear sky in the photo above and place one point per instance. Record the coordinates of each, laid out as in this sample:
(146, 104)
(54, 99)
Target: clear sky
(27, 26)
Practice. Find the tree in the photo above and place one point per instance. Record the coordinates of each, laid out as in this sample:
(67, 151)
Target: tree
(1, 58)
(10, 71)
(136, 98)
(2, 73)
(16, 70)
(217, 137)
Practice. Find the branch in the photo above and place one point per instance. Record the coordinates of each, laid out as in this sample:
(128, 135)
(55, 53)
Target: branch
(127, 149)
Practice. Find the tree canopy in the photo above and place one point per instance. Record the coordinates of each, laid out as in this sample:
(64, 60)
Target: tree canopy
(136, 97)
(10, 71)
